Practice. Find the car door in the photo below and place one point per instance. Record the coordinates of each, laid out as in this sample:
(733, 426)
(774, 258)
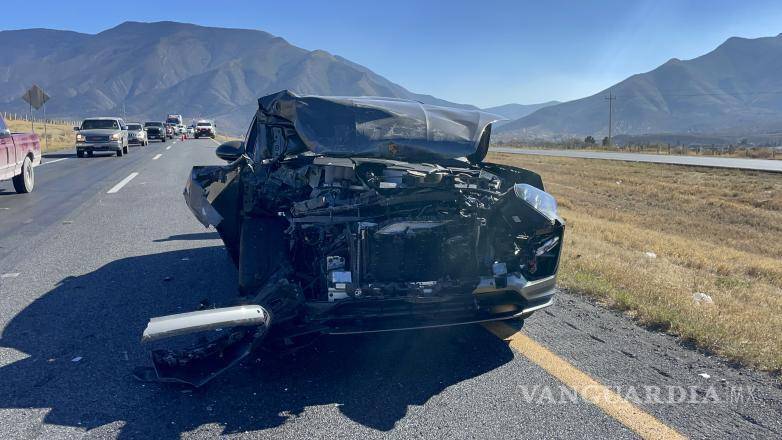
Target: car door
(6, 151)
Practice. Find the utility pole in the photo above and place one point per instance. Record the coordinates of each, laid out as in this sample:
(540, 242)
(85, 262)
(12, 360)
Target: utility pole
(610, 98)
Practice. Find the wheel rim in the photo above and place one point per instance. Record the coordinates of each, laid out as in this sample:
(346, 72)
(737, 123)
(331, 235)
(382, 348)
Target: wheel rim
(29, 177)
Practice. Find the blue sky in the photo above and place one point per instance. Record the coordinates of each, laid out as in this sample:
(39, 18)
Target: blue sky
(485, 52)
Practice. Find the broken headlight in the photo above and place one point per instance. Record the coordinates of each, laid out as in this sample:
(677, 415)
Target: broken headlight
(539, 200)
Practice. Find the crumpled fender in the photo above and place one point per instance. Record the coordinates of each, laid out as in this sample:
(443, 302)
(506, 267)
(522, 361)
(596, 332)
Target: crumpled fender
(204, 186)
(213, 194)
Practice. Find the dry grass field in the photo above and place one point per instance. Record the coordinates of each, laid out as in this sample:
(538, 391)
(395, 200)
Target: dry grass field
(58, 136)
(717, 232)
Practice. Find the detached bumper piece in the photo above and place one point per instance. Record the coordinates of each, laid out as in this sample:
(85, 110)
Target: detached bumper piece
(196, 366)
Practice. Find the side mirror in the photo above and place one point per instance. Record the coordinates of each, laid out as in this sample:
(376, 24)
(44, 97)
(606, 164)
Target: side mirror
(76, 128)
(4, 133)
(230, 151)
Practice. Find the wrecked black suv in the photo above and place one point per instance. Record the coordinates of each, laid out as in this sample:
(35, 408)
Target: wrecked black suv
(349, 215)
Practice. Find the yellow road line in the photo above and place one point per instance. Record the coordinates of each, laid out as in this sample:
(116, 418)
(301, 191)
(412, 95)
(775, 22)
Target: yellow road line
(623, 411)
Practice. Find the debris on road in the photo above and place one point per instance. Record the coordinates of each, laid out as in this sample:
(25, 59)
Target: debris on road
(702, 298)
(650, 255)
(76, 359)
(704, 375)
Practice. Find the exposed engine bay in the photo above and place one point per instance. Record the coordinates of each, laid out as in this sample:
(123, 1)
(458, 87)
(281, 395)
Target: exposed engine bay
(364, 216)
(378, 229)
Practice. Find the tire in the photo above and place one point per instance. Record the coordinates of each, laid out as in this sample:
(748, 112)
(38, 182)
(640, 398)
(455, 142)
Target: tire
(126, 149)
(24, 183)
(163, 141)
(79, 153)
(119, 152)
(90, 154)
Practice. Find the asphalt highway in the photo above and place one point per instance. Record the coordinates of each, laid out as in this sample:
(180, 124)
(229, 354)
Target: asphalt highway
(702, 161)
(105, 243)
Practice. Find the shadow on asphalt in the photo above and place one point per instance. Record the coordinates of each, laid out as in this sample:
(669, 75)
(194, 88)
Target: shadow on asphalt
(57, 155)
(82, 343)
(193, 236)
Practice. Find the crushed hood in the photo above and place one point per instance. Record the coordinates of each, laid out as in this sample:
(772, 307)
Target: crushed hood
(379, 127)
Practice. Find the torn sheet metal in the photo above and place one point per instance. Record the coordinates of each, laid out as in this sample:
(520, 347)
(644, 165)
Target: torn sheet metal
(376, 127)
(203, 187)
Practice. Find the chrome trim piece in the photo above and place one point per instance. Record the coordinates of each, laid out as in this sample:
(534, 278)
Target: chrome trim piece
(475, 321)
(192, 322)
(529, 290)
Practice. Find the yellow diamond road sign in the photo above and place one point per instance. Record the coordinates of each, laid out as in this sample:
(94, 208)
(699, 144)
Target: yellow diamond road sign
(35, 97)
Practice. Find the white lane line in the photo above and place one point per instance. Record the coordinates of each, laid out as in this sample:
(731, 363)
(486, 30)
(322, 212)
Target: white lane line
(157, 156)
(168, 147)
(218, 143)
(122, 183)
(53, 161)
(10, 275)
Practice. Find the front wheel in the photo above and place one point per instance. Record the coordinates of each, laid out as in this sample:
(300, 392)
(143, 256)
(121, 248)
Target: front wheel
(79, 153)
(24, 183)
(119, 152)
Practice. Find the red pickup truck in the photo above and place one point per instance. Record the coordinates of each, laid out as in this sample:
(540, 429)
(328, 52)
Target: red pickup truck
(19, 153)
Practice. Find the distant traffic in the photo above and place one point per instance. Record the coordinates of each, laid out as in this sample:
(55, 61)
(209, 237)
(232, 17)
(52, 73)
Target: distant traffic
(113, 134)
(20, 153)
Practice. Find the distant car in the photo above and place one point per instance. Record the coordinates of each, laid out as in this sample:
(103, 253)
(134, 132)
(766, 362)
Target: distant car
(137, 135)
(102, 134)
(181, 129)
(169, 131)
(155, 130)
(205, 129)
(19, 154)
(190, 131)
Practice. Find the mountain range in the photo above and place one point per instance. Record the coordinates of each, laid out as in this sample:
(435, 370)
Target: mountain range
(148, 70)
(515, 111)
(734, 89)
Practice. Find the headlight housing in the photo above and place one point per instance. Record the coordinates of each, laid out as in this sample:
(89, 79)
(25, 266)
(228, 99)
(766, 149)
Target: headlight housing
(539, 200)
(80, 137)
(116, 136)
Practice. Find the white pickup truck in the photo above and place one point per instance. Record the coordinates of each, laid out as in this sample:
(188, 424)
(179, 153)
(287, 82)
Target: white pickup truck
(205, 128)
